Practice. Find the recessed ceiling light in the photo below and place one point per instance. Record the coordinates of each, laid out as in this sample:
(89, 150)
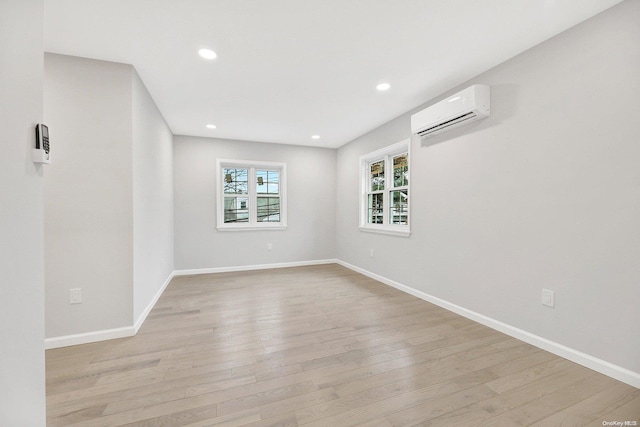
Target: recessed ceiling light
(315, 136)
(211, 126)
(207, 54)
(383, 86)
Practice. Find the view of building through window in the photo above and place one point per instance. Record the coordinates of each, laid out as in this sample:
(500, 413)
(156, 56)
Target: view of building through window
(268, 190)
(236, 200)
(251, 194)
(385, 178)
(399, 199)
(236, 190)
(398, 191)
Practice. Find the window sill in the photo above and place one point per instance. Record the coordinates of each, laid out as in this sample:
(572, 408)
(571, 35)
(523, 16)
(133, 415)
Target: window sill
(251, 228)
(386, 230)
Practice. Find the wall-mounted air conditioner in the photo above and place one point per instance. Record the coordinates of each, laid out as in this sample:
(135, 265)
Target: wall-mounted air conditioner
(464, 107)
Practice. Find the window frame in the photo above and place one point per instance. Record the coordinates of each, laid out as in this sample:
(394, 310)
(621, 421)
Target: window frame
(385, 154)
(252, 195)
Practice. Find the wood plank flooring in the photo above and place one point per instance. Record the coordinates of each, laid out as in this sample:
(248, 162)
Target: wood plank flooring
(319, 346)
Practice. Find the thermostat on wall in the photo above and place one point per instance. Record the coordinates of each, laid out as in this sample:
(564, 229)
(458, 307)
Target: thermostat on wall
(41, 154)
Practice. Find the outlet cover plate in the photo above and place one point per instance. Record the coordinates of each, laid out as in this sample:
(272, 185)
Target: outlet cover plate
(75, 296)
(548, 298)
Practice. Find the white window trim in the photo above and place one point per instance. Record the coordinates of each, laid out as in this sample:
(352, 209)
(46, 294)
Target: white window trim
(253, 224)
(384, 153)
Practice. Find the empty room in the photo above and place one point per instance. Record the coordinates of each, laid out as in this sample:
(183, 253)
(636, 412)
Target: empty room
(320, 213)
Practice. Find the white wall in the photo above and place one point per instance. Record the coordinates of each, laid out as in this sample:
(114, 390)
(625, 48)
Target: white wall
(22, 393)
(108, 199)
(543, 194)
(152, 198)
(311, 206)
(88, 196)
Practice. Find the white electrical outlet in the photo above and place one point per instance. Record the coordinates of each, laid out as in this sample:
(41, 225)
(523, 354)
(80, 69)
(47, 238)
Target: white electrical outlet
(548, 298)
(269, 246)
(75, 296)
(371, 252)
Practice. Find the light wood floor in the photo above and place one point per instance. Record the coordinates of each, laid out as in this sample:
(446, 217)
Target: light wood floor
(319, 346)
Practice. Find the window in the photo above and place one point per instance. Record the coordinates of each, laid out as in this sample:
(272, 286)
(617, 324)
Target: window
(251, 195)
(384, 180)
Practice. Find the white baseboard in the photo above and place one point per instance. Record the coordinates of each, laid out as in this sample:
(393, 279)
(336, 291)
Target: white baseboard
(107, 334)
(129, 331)
(89, 337)
(614, 371)
(152, 303)
(622, 374)
(252, 267)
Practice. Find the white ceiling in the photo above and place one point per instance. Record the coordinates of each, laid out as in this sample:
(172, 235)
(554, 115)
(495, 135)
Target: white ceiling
(288, 69)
